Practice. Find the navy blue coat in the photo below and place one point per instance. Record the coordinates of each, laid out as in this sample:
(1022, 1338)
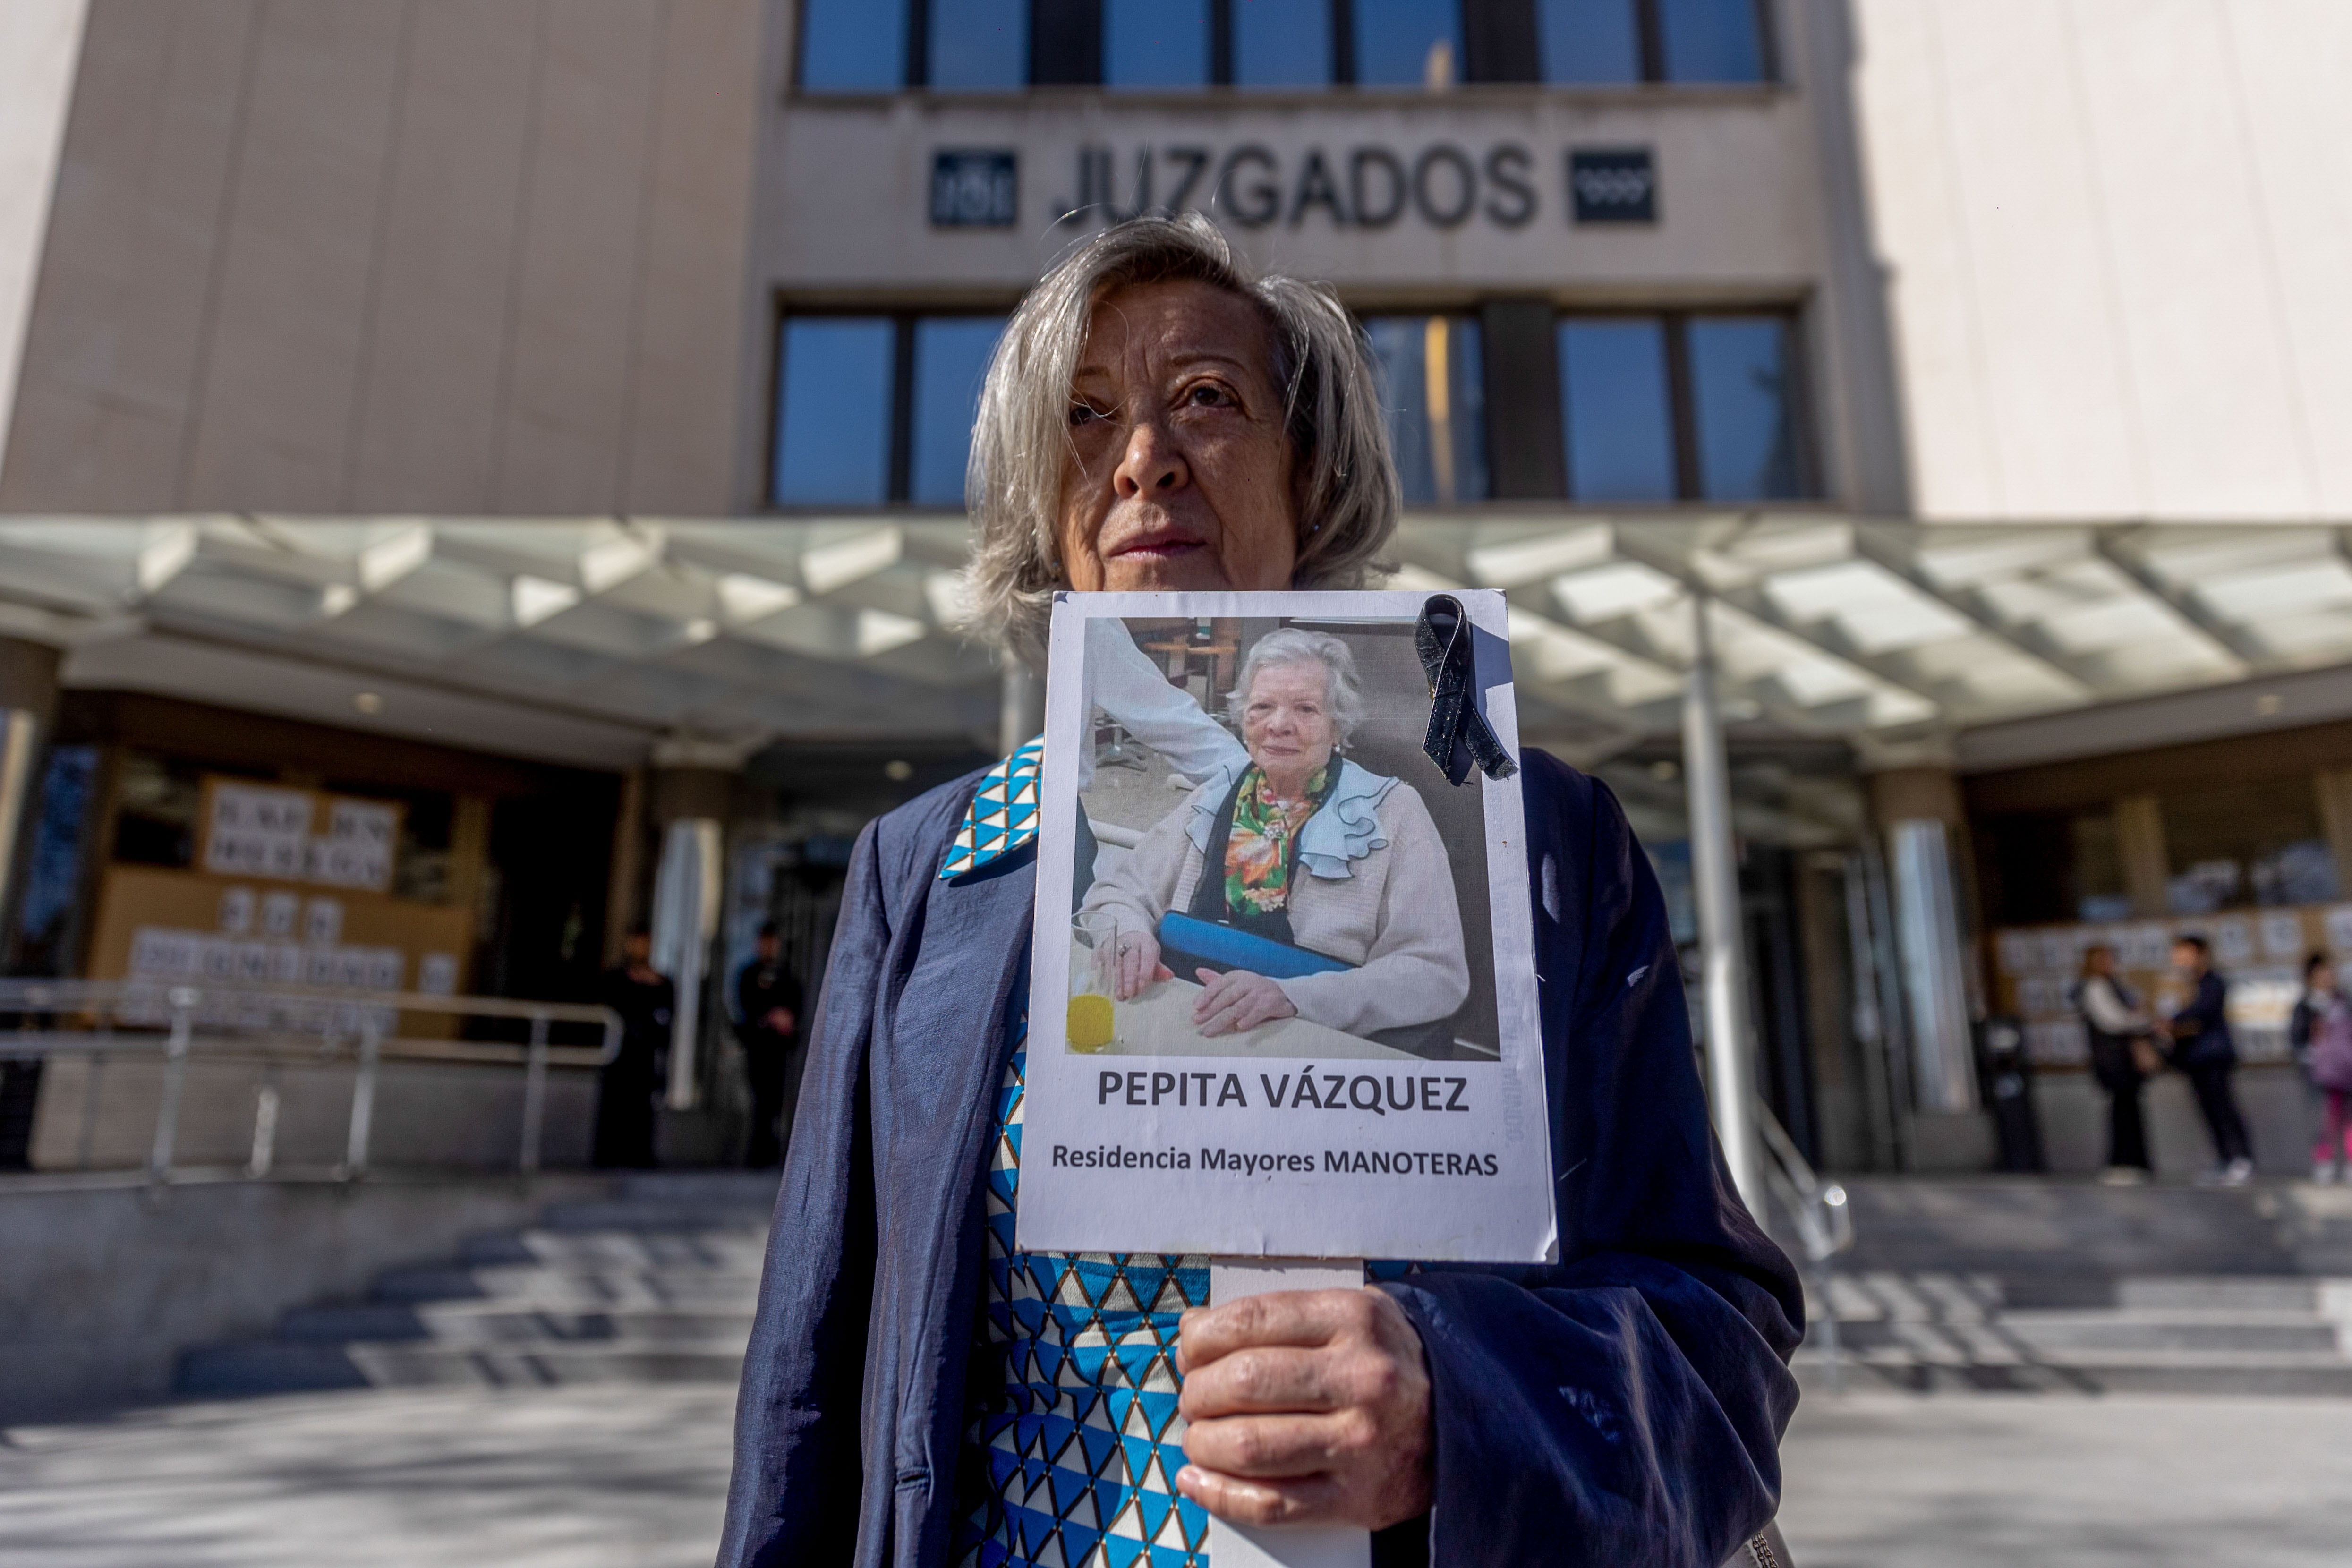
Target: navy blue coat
(1624, 1405)
(2209, 1043)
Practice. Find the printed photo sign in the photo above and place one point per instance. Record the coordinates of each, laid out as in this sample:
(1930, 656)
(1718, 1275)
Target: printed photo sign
(1283, 1001)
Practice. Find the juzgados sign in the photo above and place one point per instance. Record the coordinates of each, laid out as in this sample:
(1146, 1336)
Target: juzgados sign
(1443, 184)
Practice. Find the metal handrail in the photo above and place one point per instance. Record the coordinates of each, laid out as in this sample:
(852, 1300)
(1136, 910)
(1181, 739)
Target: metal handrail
(166, 1016)
(1818, 1208)
(1824, 1218)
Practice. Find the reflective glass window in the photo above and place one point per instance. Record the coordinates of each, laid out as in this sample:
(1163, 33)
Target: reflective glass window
(1617, 409)
(1711, 40)
(1282, 43)
(852, 45)
(1589, 40)
(950, 359)
(832, 411)
(1433, 386)
(978, 44)
(1743, 394)
(1156, 43)
(1408, 43)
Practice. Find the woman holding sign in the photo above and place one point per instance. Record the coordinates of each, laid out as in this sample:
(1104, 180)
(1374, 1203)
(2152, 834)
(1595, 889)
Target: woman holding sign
(920, 1392)
(1298, 852)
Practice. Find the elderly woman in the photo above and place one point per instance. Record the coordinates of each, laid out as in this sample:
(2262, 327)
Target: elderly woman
(919, 1392)
(1302, 848)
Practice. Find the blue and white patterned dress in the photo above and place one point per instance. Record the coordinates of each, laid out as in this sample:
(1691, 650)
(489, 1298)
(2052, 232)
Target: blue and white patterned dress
(1075, 1442)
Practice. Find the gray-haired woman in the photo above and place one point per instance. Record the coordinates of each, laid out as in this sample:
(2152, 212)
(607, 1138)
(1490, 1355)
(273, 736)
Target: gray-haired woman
(1302, 848)
(919, 1392)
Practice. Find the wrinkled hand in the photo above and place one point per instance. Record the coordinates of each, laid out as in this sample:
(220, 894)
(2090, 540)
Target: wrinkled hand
(1306, 1407)
(1236, 1000)
(1133, 965)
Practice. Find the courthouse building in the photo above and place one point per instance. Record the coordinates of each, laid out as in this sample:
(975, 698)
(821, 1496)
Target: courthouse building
(533, 432)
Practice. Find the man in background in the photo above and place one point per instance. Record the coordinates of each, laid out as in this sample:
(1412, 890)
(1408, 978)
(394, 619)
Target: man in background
(768, 1016)
(646, 1002)
(2205, 1053)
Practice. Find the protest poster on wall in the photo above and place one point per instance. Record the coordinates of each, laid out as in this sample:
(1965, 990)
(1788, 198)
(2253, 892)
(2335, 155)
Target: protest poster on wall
(1283, 1001)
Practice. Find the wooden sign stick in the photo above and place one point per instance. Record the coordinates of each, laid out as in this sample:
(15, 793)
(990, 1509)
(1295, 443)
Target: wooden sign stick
(1239, 1546)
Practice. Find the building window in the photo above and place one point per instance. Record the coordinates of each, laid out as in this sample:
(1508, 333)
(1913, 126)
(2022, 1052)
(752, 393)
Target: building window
(978, 45)
(1673, 407)
(1407, 43)
(2047, 867)
(1433, 384)
(1602, 41)
(1588, 41)
(1710, 41)
(2246, 844)
(1155, 43)
(951, 356)
(1744, 407)
(1281, 43)
(833, 412)
(1617, 409)
(872, 410)
(850, 45)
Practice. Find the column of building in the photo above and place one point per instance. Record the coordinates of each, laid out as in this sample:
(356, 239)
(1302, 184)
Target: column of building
(28, 705)
(1922, 821)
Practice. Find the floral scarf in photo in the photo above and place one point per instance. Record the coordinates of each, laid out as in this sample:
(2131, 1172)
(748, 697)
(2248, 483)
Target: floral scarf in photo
(1257, 852)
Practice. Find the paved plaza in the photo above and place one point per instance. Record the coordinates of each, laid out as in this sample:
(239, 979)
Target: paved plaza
(633, 1477)
(612, 1477)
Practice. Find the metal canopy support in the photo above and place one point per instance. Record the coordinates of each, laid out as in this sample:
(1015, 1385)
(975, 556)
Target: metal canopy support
(1715, 881)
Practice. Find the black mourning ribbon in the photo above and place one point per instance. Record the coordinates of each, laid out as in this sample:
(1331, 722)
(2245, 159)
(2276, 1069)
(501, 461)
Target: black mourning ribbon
(1458, 735)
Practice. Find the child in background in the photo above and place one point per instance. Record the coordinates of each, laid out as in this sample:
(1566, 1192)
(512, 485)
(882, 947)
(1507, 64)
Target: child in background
(2321, 1033)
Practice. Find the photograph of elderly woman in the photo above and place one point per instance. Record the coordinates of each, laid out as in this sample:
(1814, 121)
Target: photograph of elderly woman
(1267, 864)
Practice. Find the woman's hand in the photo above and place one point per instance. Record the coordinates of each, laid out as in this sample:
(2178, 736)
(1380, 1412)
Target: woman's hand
(1133, 965)
(1236, 1000)
(1306, 1407)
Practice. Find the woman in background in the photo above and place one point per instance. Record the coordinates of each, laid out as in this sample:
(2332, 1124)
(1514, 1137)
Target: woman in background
(2122, 1058)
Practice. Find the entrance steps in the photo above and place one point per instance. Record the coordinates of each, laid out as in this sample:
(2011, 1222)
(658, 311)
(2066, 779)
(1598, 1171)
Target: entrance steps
(2059, 1287)
(655, 1284)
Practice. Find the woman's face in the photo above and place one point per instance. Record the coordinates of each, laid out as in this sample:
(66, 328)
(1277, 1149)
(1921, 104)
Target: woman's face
(1286, 723)
(2322, 977)
(1179, 472)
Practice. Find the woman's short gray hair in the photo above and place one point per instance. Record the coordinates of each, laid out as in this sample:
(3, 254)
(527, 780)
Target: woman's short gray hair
(1291, 645)
(1346, 484)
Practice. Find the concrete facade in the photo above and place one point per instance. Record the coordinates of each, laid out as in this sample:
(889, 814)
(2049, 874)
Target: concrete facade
(2115, 235)
(403, 258)
(2055, 261)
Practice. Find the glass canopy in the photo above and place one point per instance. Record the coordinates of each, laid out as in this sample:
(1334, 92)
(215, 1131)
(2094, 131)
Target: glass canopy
(1827, 626)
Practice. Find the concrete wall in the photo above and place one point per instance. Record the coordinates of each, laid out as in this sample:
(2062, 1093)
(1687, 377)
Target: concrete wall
(412, 256)
(2116, 234)
(39, 41)
(104, 1287)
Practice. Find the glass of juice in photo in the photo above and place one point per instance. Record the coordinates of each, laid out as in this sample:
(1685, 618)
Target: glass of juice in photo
(1092, 1023)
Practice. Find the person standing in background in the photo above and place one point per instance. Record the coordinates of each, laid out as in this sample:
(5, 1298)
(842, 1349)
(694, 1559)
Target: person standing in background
(768, 1022)
(647, 1000)
(2121, 1060)
(2321, 1033)
(2203, 1051)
